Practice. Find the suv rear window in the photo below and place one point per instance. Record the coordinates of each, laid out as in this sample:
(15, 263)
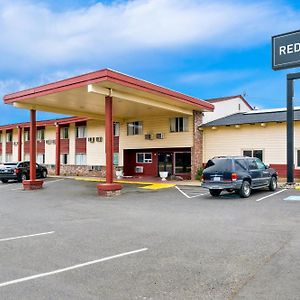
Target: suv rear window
(219, 164)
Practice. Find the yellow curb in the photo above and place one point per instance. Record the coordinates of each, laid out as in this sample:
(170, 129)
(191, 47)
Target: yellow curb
(149, 185)
(158, 186)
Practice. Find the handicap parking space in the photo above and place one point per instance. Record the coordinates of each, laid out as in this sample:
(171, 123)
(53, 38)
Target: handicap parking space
(66, 242)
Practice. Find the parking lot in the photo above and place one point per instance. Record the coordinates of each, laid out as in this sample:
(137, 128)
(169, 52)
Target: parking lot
(65, 242)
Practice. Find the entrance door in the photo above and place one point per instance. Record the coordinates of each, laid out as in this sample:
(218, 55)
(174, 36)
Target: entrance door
(165, 162)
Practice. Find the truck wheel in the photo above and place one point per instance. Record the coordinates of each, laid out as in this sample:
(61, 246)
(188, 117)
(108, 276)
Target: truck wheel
(245, 189)
(44, 174)
(4, 180)
(215, 193)
(273, 184)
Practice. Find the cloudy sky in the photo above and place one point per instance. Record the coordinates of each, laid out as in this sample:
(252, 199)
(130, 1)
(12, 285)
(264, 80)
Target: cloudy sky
(205, 48)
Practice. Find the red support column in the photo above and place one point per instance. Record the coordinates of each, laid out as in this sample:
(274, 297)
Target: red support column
(19, 143)
(108, 139)
(32, 184)
(109, 188)
(57, 158)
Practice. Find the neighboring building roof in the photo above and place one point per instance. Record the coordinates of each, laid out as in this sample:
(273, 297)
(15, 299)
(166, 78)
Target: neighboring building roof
(255, 116)
(105, 75)
(213, 100)
(50, 122)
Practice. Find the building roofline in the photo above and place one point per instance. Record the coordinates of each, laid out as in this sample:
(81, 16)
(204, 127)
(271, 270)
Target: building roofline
(105, 75)
(220, 99)
(61, 121)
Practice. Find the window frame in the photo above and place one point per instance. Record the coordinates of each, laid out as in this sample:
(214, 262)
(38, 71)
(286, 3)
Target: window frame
(176, 125)
(63, 130)
(145, 161)
(83, 161)
(40, 134)
(252, 151)
(84, 132)
(9, 134)
(137, 128)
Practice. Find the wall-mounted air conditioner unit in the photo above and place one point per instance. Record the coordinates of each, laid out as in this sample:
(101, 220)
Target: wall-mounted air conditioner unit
(91, 139)
(160, 135)
(148, 136)
(99, 139)
(139, 169)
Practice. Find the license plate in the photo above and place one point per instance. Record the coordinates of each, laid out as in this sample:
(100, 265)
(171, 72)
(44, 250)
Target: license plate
(217, 178)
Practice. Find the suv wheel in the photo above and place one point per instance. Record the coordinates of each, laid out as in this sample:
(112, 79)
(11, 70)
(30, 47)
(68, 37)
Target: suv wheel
(23, 177)
(215, 193)
(273, 183)
(44, 174)
(245, 189)
(4, 180)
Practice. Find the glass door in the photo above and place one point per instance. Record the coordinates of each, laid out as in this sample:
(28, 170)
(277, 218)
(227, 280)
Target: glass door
(165, 162)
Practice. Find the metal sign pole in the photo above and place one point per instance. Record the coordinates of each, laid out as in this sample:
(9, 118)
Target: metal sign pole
(290, 130)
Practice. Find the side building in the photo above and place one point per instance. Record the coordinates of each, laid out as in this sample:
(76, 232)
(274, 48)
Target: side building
(258, 133)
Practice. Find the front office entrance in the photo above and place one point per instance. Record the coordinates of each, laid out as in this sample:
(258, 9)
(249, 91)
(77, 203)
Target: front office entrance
(149, 162)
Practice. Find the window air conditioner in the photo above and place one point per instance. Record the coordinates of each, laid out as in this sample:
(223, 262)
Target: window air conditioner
(160, 135)
(139, 169)
(91, 139)
(148, 136)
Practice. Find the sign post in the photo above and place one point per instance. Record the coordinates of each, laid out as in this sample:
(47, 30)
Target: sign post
(285, 55)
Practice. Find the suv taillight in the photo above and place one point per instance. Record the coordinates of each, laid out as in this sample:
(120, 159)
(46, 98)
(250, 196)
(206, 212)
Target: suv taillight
(233, 176)
(17, 171)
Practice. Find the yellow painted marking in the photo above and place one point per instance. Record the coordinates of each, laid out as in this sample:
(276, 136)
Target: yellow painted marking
(148, 185)
(158, 186)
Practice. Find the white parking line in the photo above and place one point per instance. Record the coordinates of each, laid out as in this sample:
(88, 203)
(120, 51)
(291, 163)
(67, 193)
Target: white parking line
(25, 236)
(186, 195)
(46, 183)
(271, 195)
(70, 268)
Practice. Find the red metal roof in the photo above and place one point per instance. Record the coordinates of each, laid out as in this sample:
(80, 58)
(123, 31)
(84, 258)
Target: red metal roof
(61, 121)
(104, 75)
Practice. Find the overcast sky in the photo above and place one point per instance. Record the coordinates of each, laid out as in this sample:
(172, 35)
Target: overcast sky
(202, 48)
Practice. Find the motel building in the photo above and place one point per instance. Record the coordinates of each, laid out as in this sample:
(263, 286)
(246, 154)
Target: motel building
(121, 123)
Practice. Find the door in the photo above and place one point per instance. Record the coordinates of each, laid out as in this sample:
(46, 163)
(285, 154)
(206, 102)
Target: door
(265, 174)
(165, 162)
(255, 173)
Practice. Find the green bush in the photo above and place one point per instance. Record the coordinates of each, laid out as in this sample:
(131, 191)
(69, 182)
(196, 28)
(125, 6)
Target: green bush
(199, 173)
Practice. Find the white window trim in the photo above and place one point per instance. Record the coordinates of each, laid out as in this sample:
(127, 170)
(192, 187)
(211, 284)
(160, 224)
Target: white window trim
(186, 123)
(253, 149)
(144, 162)
(62, 129)
(135, 134)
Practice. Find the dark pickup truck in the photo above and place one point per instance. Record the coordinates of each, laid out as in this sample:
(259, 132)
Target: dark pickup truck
(238, 174)
(20, 171)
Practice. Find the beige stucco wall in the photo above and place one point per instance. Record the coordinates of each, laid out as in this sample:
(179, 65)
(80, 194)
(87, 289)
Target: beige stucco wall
(155, 125)
(232, 141)
(225, 108)
(50, 150)
(95, 151)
